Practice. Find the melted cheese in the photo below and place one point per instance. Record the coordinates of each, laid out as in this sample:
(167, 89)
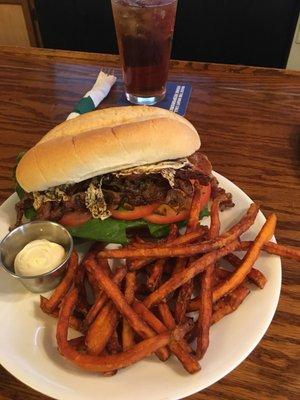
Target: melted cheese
(94, 200)
(154, 168)
(52, 194)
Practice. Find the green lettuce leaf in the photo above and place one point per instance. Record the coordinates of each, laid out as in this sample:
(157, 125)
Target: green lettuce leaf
(110, 230)
(30, 213)
(19, 190)
(204, 213)
(115, 231)
(158, 231)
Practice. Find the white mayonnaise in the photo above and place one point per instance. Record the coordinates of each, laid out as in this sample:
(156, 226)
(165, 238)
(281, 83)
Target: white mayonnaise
(38, 257)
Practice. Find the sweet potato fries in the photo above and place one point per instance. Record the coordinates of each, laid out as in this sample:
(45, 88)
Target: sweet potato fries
(143, 307)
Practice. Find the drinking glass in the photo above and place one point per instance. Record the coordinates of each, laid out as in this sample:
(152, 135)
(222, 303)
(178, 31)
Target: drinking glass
(145, 32)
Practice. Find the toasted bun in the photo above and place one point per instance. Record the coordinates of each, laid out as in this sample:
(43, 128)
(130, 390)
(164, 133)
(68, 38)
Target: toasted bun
(105, 141)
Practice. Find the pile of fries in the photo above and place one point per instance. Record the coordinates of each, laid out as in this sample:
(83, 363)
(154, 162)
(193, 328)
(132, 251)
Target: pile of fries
(145, 306)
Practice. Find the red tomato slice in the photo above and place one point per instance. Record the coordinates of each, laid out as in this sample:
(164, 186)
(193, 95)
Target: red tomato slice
(167, 219)
(170, 216)
(136, 213)
(74, 218)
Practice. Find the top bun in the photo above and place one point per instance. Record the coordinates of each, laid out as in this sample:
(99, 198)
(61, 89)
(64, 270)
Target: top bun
(105, 141)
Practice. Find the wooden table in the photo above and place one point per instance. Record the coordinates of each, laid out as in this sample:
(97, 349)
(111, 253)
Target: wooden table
(248, 119)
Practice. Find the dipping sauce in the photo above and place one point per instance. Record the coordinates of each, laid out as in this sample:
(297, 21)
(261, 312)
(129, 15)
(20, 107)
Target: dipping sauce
(38, 257)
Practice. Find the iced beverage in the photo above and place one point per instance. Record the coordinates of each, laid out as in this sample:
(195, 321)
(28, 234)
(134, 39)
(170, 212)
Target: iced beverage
(145, 32)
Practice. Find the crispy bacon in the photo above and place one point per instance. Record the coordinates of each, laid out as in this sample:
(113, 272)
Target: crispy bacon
(201, 162)
(201, 177)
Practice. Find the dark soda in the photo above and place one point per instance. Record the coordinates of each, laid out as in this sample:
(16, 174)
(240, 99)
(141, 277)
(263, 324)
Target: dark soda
(145, 32)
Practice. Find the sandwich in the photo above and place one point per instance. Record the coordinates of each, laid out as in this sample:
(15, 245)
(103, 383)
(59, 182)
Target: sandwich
(113, 170)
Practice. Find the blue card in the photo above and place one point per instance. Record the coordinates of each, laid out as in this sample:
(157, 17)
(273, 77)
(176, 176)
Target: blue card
(177, 98)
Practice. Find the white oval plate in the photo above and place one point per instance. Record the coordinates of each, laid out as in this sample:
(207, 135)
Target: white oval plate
(28, 347)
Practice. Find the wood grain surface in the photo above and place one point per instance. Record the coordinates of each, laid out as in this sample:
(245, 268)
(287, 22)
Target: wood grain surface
(249, 122)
